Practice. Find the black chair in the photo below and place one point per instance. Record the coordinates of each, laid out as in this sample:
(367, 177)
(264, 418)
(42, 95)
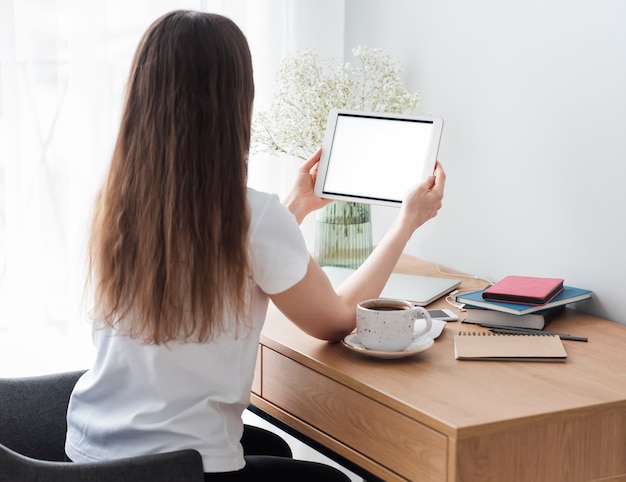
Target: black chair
(32, 440)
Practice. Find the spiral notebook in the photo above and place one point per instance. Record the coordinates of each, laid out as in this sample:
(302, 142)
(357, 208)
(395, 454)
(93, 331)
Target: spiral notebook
(499, 347)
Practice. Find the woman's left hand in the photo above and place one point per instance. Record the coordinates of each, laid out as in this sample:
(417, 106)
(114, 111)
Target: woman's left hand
(302, 200)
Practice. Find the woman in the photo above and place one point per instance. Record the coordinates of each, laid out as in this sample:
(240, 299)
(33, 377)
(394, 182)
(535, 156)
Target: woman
(184, 257)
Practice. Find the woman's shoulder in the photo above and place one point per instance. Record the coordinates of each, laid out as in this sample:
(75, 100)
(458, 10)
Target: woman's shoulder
(260, 201)
(269, 215)
(255, 197)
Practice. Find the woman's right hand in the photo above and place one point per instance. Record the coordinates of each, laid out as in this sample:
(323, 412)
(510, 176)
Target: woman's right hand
(424, 200)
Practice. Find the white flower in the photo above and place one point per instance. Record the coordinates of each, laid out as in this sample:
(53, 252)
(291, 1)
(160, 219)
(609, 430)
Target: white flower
(310, 87)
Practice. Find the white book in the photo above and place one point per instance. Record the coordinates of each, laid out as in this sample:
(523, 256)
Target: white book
(536, 320)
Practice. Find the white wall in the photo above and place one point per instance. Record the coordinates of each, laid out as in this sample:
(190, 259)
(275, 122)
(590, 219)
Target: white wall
(533, 95)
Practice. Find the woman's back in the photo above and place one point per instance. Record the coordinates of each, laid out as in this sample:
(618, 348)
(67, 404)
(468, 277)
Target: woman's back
(153, 398)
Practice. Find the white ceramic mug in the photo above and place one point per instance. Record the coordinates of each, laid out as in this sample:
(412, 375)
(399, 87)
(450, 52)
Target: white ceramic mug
(387, 324)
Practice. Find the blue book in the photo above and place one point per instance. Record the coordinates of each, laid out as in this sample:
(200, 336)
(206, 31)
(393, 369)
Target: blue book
(568, 295)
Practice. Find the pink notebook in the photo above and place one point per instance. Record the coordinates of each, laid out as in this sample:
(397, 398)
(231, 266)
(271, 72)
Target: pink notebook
(528, 290)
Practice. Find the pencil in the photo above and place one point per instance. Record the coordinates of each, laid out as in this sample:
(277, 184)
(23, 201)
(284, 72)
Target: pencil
(562, 336)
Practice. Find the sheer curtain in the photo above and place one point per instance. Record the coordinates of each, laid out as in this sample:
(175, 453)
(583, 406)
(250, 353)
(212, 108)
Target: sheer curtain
(63, 68)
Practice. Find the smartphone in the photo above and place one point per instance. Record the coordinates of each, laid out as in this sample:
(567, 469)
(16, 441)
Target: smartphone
(445, 315)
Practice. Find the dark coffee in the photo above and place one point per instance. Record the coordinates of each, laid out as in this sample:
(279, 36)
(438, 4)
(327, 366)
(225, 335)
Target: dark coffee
(389, 308)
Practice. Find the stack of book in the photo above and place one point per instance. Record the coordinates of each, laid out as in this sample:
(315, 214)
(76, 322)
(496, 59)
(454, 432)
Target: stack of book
(520, 301)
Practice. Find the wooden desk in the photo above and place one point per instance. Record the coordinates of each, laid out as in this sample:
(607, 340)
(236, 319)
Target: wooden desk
(430, 417)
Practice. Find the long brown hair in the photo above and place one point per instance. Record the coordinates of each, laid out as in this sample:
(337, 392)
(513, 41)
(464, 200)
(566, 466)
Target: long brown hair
(168, 244)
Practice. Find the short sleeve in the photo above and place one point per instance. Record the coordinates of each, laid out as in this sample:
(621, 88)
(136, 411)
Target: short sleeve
(279, 255)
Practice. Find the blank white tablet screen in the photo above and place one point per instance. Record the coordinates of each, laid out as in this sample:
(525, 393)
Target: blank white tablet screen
(377, 158)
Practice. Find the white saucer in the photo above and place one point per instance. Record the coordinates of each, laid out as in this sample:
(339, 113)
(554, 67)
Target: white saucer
(436, 329)
(420, 344)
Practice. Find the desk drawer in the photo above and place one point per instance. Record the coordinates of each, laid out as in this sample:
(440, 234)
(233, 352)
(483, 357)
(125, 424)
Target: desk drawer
(256, 381)
(395, 441)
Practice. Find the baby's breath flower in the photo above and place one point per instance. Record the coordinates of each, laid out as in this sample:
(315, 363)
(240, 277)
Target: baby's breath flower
(310, 87)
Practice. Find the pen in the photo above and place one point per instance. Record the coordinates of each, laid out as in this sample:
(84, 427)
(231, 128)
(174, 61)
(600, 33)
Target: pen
(562, 336)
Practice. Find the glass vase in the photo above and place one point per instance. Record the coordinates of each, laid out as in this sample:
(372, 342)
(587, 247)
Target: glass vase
(343, 234)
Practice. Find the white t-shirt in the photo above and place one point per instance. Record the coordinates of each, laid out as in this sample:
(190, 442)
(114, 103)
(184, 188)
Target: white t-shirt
(144, 399)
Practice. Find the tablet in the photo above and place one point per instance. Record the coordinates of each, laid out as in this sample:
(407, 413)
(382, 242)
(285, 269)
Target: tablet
(376, 158)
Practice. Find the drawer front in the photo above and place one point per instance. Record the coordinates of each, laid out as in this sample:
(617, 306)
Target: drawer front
(393, 440)
(256, 381)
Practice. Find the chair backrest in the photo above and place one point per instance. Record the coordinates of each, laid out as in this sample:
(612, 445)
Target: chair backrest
(33, 414)
(33, 424)
(181, 466)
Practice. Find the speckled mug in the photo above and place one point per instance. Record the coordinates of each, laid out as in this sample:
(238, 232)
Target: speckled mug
(387, 324)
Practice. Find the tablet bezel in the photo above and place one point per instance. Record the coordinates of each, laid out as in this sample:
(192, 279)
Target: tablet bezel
(426, 170)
